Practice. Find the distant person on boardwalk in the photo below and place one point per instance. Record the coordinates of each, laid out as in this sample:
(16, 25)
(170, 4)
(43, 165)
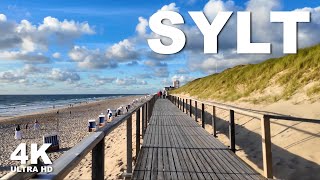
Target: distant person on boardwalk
(27, 126)
(17, 134)
(160, 94)
(164, 94)
(36, 125)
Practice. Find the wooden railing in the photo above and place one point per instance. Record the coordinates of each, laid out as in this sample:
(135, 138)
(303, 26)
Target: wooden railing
(95, 142)
(265, 118)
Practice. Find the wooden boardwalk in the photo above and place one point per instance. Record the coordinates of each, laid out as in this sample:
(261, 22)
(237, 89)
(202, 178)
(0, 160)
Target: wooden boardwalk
(176, 147)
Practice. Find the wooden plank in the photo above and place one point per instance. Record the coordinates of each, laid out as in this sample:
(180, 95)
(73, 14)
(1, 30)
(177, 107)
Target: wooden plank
(148, 165)
(138, 167)
(160, 164)
(142, 168)
(154, 168)
(172, 167)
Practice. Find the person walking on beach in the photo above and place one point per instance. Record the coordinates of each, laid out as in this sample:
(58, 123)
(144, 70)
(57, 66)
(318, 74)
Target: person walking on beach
(17, 134)
(36, 125)
(110, 114)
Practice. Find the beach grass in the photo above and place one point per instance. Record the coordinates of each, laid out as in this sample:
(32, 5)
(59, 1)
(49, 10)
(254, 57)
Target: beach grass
(291, 72)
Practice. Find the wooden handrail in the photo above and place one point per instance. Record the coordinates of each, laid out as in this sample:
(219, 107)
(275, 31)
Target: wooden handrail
(255, 114)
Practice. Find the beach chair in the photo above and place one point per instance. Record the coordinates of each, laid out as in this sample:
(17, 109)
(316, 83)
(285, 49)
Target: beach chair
(92, 125)
(53, 139)
(101, 119)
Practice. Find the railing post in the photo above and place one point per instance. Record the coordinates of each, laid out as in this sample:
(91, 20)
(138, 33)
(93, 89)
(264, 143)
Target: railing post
(129, 145)
(179, 102)
(196, 110)
(98, 161)
(202, 116)
(266, 147)
(147, 113)
(143, 119)
(214, 127)
(182, 105)
(232, 132)
(137, 132)
(190, 108)
(186, 106)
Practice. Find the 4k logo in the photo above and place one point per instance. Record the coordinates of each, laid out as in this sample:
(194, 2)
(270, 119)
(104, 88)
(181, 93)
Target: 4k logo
(34, 154)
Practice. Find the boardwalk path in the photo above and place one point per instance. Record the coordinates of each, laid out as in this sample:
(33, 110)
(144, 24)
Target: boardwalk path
(176, 147)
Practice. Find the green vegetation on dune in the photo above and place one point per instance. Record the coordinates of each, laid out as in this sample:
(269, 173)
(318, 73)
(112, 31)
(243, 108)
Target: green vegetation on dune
(291, 72)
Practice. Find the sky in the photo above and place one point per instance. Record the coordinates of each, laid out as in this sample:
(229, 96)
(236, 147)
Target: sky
(80, 47)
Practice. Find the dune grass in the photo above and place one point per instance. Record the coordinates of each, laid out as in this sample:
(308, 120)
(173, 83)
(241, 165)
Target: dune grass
(292, 72)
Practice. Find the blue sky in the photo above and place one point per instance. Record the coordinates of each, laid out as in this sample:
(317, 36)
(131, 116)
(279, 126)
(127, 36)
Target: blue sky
(50, 47)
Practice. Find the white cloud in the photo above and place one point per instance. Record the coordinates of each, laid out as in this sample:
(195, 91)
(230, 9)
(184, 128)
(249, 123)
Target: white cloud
(50, 31)
(122, 51)
(212, 8)
(154, 63)
(13, 77)
(25, 41)
(63, 76)
(161, 72)
(103, 80)
(182, 71)
(170, 7)
(3, 17)
(31, 69)
(142, 25)
(30, 37)
(53, 25)
(129, 81)
(56, 55)
(309, 33)
(24, 56)
(91, 59)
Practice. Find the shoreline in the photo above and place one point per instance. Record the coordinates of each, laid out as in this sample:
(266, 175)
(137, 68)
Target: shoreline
(7, 119)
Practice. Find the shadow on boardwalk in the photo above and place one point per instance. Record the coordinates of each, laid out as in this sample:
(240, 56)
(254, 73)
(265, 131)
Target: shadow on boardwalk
(286, 165)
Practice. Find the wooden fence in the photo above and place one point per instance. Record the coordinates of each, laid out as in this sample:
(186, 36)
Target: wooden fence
(265, 118)
(95, 142)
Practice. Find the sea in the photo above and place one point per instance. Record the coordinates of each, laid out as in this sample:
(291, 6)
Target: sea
(14, 105)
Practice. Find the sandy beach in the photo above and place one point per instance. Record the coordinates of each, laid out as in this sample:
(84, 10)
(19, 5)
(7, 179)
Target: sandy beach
(71, 125)
(294, 144)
